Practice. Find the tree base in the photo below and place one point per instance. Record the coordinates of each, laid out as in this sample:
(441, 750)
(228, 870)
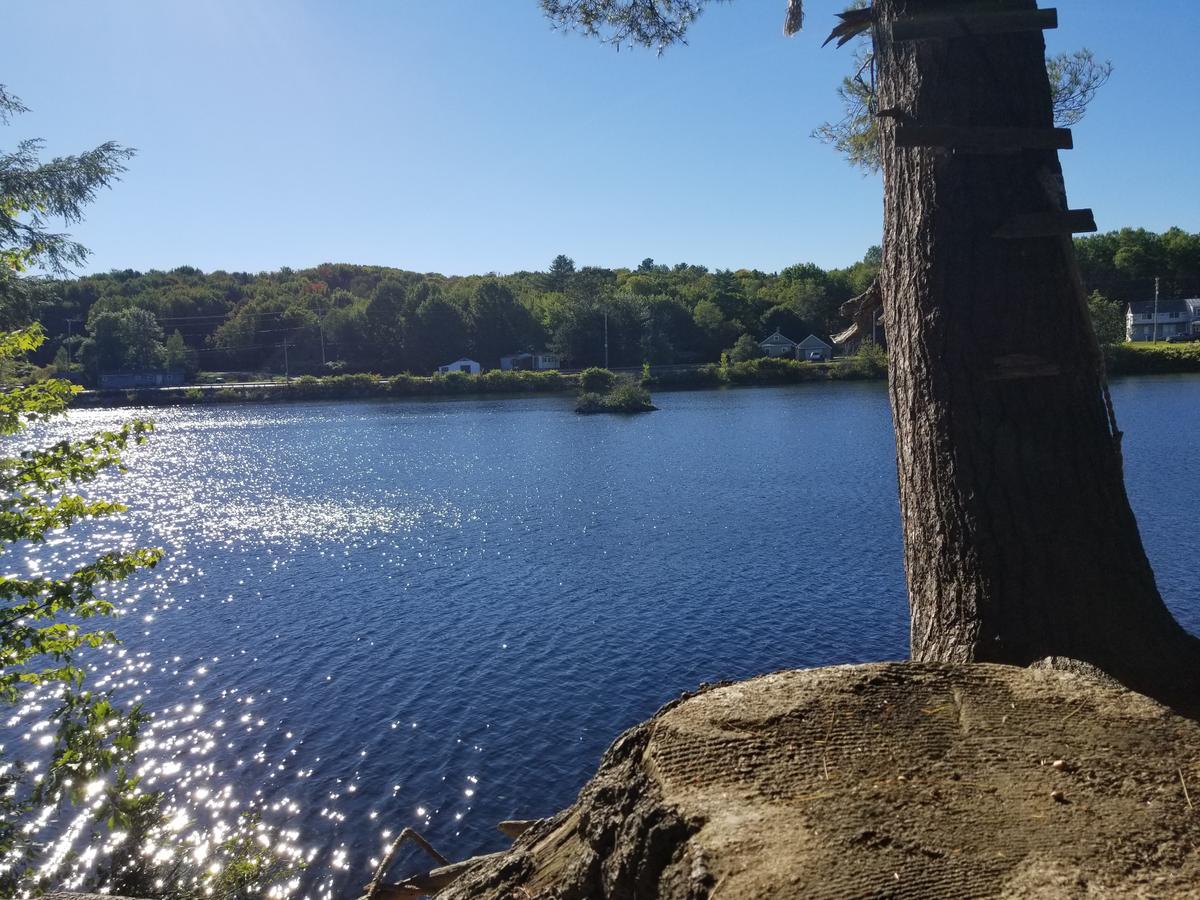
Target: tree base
(897, 780)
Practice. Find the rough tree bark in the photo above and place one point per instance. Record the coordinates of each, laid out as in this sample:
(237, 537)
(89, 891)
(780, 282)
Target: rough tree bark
(1020, 543)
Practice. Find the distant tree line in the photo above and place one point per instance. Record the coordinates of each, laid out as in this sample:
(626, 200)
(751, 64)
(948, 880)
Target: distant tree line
(1120, 267)
(349, 318)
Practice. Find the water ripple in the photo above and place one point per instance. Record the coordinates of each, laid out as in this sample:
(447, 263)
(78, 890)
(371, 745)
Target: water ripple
(380, 615)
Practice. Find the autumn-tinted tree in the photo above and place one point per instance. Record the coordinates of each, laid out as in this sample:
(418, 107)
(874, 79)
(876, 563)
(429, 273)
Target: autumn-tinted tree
(238, 321)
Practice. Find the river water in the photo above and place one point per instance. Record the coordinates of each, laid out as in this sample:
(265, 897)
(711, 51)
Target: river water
(439, 614)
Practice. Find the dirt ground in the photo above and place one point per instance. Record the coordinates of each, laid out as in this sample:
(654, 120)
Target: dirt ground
(886, 780)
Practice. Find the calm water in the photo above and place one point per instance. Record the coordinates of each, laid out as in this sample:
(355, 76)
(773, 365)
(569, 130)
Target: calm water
(374, 615)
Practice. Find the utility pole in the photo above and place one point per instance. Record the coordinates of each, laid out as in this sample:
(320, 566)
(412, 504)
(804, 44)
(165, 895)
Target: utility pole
(71, 334)
(1154, 327)
(321, 326)
(287, 372)
(606, 338)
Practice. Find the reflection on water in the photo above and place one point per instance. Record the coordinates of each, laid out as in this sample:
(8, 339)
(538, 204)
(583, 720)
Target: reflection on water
(377, 615)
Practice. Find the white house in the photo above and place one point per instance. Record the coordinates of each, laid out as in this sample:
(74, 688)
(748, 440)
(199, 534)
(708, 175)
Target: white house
(778, 345)
(462, 364)
(1193, 304)
(537, 362)
(813, 349)
(1175, 317)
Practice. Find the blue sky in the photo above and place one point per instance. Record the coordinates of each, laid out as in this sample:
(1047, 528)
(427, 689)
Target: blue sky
(464, 136)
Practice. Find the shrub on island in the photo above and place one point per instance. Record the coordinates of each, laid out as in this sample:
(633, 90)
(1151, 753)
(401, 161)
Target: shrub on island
(626, 397)
(596, 380)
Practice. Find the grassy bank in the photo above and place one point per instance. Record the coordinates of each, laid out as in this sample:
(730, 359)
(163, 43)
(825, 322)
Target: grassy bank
(342, 387)
(767, 371)
(1152, 359)
(1121, 359)
(352, 387)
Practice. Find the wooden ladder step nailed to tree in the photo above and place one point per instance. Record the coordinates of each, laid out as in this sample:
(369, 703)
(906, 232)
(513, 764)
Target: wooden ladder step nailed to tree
(1048, 224)
(984, 139)
(971, 24)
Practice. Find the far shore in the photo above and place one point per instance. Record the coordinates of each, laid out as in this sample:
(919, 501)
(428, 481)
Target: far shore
(1121, 359)
(755, 372)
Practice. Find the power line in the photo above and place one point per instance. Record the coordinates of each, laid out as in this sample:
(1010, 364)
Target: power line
(228, 315)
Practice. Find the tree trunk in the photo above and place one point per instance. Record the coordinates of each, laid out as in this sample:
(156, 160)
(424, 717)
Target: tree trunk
(1020, 543)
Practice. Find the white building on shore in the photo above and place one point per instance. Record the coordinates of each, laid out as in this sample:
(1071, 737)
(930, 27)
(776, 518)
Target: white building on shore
(1173, 318)
(462, 364)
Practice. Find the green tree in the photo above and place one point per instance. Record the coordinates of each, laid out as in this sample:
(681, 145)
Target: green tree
(578, 333)
(708, 315)
(1074, 80)
(128, 340)
(143, 340)
(667, 328)
(62, 361)
(437, 334)
(104, 349)
(177, 356)
(559, 276)
(499, 324)
(595, 380)
(384, 318)
(345, 331)
(717, 331)
(1108, 318)
(33, 194)
(744, 348)
(1126, 262)
(46, 618)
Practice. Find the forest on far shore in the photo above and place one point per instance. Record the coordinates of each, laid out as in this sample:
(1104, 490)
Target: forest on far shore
(353, 318)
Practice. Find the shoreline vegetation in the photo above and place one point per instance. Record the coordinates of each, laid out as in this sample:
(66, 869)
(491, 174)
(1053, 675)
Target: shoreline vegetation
(870, 364)
(341, 319)
(1158, 358)
(749, 373)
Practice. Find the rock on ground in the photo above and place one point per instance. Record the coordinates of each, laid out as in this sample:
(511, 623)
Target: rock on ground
(887, 780)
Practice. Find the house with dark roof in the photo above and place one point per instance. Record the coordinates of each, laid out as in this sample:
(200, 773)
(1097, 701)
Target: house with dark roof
(813, 349)
(777, 344)
(535, 362)
(1146, 320)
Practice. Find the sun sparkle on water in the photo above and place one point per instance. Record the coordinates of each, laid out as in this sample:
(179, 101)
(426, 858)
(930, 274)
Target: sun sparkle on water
(201, 746)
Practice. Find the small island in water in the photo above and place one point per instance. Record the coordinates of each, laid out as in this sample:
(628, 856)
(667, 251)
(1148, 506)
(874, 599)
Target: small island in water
(624, 398)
